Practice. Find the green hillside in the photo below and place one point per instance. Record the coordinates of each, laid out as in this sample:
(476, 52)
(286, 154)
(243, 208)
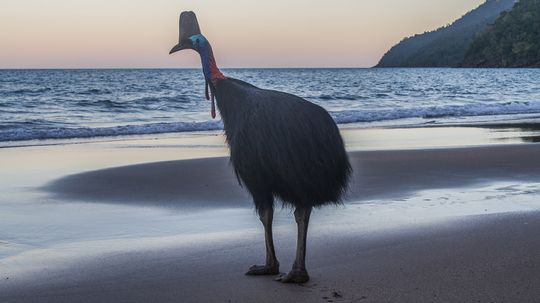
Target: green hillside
(446, 46)
(512, 41)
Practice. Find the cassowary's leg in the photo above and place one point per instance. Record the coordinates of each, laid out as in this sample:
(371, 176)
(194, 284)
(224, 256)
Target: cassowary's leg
(299, 274)
(272, 265)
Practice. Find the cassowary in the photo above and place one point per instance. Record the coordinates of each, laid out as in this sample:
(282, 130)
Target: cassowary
(281, 147)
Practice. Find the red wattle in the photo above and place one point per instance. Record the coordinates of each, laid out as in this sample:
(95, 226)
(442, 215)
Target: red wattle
(213, 111)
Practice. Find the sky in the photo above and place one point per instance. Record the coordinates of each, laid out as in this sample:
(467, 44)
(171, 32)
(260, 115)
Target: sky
(243, 33)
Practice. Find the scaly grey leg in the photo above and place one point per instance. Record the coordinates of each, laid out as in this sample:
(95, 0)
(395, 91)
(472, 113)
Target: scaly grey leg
(299, 274)
(272, 265)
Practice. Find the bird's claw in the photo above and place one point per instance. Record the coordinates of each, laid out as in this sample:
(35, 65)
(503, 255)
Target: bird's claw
(261, 270)
(295, 276)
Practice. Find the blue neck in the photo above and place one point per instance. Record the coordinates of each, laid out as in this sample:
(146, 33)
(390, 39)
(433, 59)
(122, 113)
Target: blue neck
(210, 70)
(205, 60)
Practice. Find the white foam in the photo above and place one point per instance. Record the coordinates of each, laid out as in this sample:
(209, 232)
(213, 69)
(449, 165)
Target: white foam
(435, 112)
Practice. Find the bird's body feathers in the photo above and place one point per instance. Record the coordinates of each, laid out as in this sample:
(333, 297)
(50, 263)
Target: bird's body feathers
(282, 145)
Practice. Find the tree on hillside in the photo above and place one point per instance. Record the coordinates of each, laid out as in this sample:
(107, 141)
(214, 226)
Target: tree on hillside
(512, 41)
(446, 46)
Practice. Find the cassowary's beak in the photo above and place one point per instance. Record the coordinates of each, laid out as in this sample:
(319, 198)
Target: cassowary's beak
(188, 27)
(186, 44)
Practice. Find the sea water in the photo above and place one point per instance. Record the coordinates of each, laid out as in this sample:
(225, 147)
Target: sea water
(59, 104)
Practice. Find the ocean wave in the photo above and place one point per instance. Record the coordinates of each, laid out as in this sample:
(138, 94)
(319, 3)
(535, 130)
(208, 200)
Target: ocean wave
(326, 97)
(93, 91)
(29, 91)
(176, 98)
(31, 133)
(102, 103)
(433, 112)
(37, 130)
(143, 103)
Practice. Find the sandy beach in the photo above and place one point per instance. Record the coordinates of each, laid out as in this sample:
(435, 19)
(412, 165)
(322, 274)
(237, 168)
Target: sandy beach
(391, 151)
(492, 259)
(163, 220)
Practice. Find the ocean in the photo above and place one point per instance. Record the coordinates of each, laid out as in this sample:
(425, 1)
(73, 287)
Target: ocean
(62, 104)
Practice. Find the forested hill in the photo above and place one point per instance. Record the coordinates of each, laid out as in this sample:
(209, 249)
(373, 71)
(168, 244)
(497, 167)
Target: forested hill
(512, 41)
(446, 46)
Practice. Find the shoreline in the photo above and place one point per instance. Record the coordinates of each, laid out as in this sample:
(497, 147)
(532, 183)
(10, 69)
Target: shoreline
(515, 129)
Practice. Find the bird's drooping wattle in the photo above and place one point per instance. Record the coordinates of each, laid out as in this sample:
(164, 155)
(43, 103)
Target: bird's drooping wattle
(211, 72)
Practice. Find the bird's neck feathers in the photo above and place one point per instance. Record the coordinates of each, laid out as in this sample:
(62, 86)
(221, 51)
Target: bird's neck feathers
(211, 72)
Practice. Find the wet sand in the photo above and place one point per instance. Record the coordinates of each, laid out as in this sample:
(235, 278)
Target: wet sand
(377, 174)
(488, 259)
(472, 258)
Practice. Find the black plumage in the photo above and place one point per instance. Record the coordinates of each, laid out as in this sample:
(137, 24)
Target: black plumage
(281, 145)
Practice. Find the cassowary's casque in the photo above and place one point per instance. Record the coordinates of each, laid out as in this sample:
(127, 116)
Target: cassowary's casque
(282, 147)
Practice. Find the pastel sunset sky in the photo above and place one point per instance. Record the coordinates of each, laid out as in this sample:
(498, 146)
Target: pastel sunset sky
(243, 33)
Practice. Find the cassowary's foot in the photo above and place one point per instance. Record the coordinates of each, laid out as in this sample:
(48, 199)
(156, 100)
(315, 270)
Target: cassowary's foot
(294, 276)
(261, 270)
